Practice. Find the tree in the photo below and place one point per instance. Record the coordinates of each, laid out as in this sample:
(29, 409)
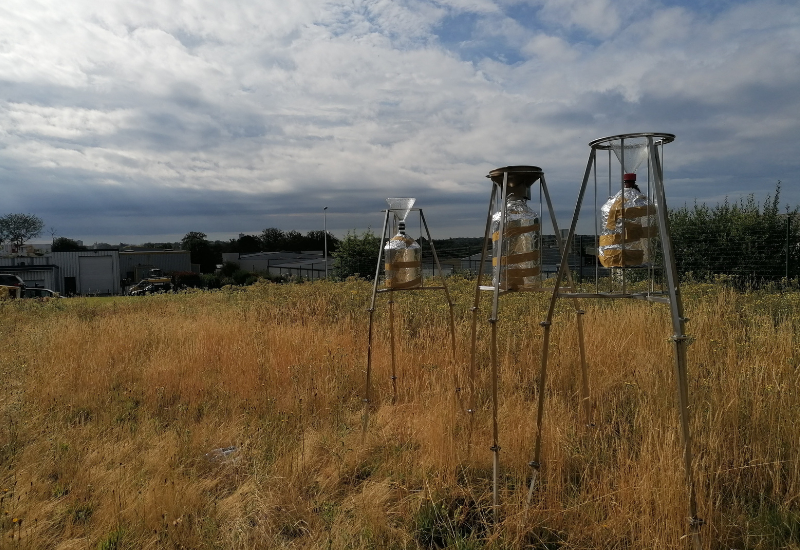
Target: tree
(357, 255)
(273, 239)
(63, 244)
(294, 240)
(246, 244)
(191, 238)
(19, 228)
(162, 246)
(200, 251)
(316, 241)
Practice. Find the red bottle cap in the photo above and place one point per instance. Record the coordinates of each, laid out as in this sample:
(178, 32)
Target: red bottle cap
(629, 177)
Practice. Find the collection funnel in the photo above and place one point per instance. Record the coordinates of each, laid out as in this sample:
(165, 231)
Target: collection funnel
(630, 152)
(400, 207)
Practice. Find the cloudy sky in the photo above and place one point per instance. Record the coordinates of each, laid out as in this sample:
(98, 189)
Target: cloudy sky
(135, 121)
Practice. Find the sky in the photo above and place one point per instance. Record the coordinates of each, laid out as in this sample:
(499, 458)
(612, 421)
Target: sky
(127, 121)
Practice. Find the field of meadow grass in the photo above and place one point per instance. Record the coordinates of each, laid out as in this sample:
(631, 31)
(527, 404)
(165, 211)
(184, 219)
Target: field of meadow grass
(232, 419)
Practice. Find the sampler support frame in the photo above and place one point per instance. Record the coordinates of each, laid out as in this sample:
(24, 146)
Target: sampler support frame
(672, 297)
(497, 203)
(385, 235)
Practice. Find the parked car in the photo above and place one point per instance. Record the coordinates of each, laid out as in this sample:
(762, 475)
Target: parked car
(39, 293)
(151, 288)
(11, 285)
(9, 279)
(155, 281)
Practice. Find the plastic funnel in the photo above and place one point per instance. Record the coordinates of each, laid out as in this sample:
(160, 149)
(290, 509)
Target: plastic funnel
(400, 207)
(631, 154)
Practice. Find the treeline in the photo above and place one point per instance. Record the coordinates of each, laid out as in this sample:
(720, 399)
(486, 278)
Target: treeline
(745, 242)
(209, 253)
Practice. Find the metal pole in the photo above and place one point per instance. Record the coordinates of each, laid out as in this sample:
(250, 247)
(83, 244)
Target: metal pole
(475, 304)
(391, 347)
(447, 297)
(788, 234)
(678, 338)
(596, 239)
(495, 448)
(562, 272)
(368, 382)
(325, 228)
(585, 396)
(622, 206)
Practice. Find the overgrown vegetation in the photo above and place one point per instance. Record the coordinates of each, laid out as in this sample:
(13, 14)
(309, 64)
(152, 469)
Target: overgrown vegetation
(747, 242)
(231, 419)
(357, 256)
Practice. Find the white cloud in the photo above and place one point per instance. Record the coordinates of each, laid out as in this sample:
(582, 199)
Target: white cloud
(550, 48)
(35, 121)
(282, 98)
(600, 18)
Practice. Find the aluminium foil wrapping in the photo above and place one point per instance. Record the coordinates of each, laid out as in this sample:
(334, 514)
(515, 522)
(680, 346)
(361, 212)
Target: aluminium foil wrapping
(517, 266)
(403, 263)
(626, 229)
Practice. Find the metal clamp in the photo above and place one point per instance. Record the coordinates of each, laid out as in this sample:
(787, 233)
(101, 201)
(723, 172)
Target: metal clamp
(392, 378)
(696, 522)
(470, 411)
(580, 312)
(535, 465)
(681, 338)
(545, 324)
(495, 448)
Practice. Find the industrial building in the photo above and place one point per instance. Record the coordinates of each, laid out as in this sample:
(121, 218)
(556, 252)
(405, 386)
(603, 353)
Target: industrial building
(134, 264)
(309, 265)
(90, 272)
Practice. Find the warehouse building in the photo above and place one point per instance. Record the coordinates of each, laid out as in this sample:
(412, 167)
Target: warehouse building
(136, 264)
(85, 272)
(89, 272)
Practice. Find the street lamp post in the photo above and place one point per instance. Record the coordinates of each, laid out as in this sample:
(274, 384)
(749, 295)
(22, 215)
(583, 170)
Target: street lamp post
(325, 236)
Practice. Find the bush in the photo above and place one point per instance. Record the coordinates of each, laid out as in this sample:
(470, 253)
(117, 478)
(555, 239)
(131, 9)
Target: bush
(229, 268)
(187, 278)
(745, 241)
(240, 276)
(357, 256)
(211, 281)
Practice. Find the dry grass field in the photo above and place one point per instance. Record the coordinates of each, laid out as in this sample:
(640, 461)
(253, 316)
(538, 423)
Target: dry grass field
(113, 413)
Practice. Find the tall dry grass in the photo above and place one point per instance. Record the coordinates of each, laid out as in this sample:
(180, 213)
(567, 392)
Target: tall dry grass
(112, 411)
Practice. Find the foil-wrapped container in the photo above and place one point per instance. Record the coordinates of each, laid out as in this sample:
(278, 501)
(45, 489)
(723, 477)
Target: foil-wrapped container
(626, 227)
(517, 266)
(403, 263)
